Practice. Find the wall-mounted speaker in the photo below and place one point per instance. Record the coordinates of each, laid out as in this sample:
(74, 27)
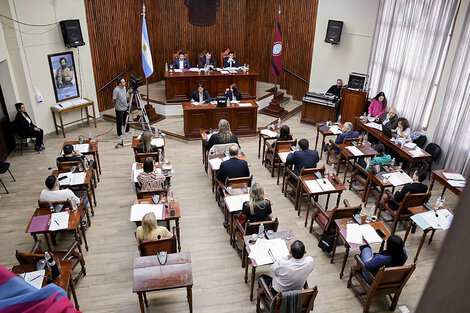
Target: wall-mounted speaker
(333, 32)
(72, 33)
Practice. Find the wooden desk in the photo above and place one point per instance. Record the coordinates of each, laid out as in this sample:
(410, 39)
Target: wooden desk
(93, 150)
(341, 232)
(64, 281)
(339, 188)
(382, 186)
(180, 86)
(367, 151)
(243, 120)
(64, 110)
(205, 153)
(404, 153)
(324, 135)
(440, 178)
(175, 205)
(278, 234)
(149, 275)
(265, 138)
(317, 111)
(73, 227)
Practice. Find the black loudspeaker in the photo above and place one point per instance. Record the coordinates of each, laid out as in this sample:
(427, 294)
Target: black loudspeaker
(72, 33)
(333, 32)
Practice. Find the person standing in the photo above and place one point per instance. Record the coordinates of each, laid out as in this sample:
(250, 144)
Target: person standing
(336, 89)
(121, 106)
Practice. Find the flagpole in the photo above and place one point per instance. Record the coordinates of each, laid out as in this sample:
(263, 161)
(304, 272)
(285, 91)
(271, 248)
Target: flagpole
(146, 82)
(275, 78)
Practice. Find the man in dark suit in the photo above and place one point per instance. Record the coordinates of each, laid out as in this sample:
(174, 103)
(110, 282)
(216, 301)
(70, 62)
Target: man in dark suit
(347, 133)
(304, 158)
(233, 167)
(200, 95)
(230, 61)
(207, 60)
(416, 186)
(181, 62)
(388, 119)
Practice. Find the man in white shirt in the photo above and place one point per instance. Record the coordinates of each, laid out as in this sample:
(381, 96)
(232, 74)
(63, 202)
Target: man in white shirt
(290, 273)
(54, 193)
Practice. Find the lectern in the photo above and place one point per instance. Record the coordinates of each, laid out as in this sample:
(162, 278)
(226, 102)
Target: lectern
(353, 103)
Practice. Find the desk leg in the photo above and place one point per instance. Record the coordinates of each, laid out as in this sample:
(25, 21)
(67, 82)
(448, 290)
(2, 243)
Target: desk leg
(423, 238)
(346, 168)
(278, 171)
(74, 294)
(408, 228)
(338, 200)
(97, 156)
(62, 124)
(189, 291)
(145, 299)
(327, 202)
(432, 235)
(335, 243)
(89, 199)
(253, 275)
(94, 113)
(259, 145)
(231, 227)
(346, 254)
(87, 116)
(316, 140)
(141, 302)
(47, 241)
(246, 272)
(432, 185)
(443, 191)
(177, 222)
(55, 123)
(213, 180)
(308, 210)
(84, 237)
(284, 179)
(379, 198)
(93, 192)
(322, 146)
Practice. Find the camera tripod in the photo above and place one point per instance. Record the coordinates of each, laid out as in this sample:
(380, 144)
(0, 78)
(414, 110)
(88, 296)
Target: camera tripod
(143, 117)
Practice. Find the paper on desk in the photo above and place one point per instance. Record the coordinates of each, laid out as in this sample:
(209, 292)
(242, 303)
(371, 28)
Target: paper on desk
(65, 181)
(410, 145)
(335, 129)
(354, 150)
(224, 72)
(178, 70)
(269, 133)
(313, 186)
(34, 278)
(457, 183)
(399, 178)
(159, 142)
(417, 152)
(78, 178)
(59, 221)
(375, 125)
(453, 176)
(215, 163)
(235, 203)
(79, 101)
(325, 184)
(369, 234)
(83, 148)
(443, 220)
(353, 233)
(283, 156)
(194, 69)
(244, 105)
(139, 210)
(260, 251)
(370, 118)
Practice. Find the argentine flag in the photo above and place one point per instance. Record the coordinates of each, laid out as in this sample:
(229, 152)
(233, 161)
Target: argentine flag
(146, 55)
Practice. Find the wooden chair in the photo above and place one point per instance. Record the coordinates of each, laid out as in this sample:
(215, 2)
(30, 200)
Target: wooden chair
(239, 182)
(337, 158)
(200, 55)
(152, 247)
(402, 213)
(140, 157)
(362, 177)
(271, 157)
(387, 281)
(73, 254)
(249, 229)
(149, 193)
(177, 54)
(224, 55)
(296, 191)
(326, 219)
(222, 148)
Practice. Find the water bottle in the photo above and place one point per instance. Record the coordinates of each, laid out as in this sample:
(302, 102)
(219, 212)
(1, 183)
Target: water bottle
(363, 116)
(90, 135)
(438, 203)
(156, 131)
(261, 231)
(332, 172)
(339, 119)
(364, 140)
(278, 123)
(160, 156)
(166, 67)
(51, 207)
(228, 101)
(52, 265)
(170, 193)
(87, 164)
(393, 162)
(371, 213)
(402, 142)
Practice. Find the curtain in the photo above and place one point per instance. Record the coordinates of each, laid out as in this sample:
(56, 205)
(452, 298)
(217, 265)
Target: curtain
(452, 132)
(408, 52)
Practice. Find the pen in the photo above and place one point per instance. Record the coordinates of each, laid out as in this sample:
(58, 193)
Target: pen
(35, 277)
(56, 222)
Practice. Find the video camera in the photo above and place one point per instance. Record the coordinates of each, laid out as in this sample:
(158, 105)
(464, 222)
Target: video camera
(135, 83)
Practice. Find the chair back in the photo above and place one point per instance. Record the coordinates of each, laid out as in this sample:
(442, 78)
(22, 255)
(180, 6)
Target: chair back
(28, 258)
(421, 141)
(388, 278)
(434, 150)
(177, 54)
(308, 171)
(308, 298)
(284, 144)
(67, 204)
(200, 55)
(152, 247)
(149, 193)
(350, 140)
(239, 182)
(67, 165)
(221, 148)
(253, 228)
(412, 200)
(224, 55)
(339, 213)
(140, 157)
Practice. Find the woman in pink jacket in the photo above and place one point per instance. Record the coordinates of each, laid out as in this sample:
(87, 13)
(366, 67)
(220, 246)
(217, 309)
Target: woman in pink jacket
(378, 105)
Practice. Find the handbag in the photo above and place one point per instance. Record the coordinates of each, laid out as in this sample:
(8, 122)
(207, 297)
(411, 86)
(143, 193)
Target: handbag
(326, 242)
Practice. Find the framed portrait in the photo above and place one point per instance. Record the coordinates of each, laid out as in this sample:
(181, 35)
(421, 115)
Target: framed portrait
(63, 76)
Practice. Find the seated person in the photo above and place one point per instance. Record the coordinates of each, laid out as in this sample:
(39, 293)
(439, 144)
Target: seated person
(25, 127)
(150, 229)
(181, 62)
(149, 179)
(230, 61)
(336, 89)
(258, 209)
(380, 158)
(223, 136)
(388, 119)
(145, 145)
(233, 167)
(207, 61)
(304, 158)
(71, 155)
(233, 93)
(347, 132)
(378, 105)
(393, 255)
(416, 186)
(291, 272)
(403, 129)
(54, 193)
(284, 134)
(200, 95)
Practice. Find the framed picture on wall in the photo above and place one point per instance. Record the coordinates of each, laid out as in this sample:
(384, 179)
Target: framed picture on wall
(63, 76)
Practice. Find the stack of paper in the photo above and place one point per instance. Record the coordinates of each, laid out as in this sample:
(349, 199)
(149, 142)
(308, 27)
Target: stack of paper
(215, 163)
(443, 220)
(268, 251)
(244, 105)
(269, 133)
(453, 176)
(283, 156)
(59, 221)
(355, 232)
(313, 186)
(399, 178)
(410, 145)
(66, 180)
(224, 72)
(235, 203)
(417, 152)
(375, 125)
(79, 101)
(83, 148)
(139, 210)
(457, 183)
(159, 142)
(78, 178)
(194, 69)
(178, 70)
(35, 278)
(335, 130)
(135, 172)
(354, 150)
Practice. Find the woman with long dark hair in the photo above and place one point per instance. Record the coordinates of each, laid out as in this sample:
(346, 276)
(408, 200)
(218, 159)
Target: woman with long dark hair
(378, 105)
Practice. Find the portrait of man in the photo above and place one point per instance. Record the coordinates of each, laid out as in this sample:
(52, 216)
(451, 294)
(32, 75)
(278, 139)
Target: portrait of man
(64, 74)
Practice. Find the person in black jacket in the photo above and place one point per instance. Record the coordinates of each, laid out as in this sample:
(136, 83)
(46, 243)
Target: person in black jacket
(207, 61)
(233, 93)
(200, 95)
(258, 209)
(304, 158)
(388, 119)
(233, 167)
(223, 136)
(416, 187)
(25, 127)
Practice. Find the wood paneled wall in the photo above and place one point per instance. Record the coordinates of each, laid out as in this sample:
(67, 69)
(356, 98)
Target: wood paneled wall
(247, 26)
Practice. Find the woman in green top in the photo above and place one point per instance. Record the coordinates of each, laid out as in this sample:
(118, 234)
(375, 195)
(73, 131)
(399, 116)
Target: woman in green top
(380, 158)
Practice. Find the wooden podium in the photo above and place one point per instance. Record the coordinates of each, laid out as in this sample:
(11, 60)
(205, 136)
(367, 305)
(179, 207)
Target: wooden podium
(274, 108)
(353, 103)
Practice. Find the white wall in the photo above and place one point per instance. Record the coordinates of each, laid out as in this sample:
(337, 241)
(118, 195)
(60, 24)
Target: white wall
(329, 61)
(28, 49)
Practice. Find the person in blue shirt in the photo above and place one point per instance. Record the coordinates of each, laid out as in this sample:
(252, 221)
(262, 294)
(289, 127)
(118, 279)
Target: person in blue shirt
(181, 62)
(200, 95)
(233, 93)
(230, 61)
(347, 133)
(393, 255)
(380, 158)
